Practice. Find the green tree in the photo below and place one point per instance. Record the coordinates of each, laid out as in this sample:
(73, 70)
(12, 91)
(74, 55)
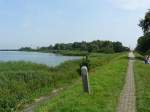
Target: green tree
(26, 49)
(145, 23)
(143, 44)
(118, 47)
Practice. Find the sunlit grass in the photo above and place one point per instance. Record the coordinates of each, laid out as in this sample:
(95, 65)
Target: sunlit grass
(22, 82)
(106, 84)
(142, 76)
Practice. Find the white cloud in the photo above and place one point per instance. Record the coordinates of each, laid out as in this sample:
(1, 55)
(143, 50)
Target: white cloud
(131, 4)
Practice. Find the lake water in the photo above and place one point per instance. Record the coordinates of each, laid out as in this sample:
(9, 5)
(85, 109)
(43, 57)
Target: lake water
(49, 59)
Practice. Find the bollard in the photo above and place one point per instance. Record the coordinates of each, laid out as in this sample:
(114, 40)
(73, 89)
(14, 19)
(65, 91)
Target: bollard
(85, 80)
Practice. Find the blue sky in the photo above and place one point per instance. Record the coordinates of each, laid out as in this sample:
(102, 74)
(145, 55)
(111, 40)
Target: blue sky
(43, 22)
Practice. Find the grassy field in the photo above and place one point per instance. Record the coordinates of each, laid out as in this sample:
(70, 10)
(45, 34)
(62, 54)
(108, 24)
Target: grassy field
(142, 77)
(106, 82)
(22, 82)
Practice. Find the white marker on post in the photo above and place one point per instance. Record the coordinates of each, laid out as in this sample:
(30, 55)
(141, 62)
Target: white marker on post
(85, 80)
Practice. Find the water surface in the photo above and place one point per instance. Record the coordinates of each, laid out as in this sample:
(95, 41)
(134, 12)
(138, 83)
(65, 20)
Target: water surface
(49, 59)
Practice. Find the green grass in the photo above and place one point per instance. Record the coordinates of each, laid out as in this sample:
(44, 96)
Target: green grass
(64, 52)
(142, 77)
(106, 82)
(71, 52)
(21, 82)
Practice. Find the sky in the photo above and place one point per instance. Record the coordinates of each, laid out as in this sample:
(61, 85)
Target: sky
(38, 23)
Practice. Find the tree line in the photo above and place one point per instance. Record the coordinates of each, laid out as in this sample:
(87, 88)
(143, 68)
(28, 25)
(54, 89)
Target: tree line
(143, 43)
(94, 46)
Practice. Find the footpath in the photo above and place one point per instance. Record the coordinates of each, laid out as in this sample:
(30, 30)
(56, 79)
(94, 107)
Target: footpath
(127, 97)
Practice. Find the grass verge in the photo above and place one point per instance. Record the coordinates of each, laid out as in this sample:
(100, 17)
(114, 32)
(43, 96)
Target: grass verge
(106, 84)
(142, 78)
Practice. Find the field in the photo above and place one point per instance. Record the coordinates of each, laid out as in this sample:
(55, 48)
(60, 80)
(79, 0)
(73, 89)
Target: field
(142, 77)
(106, 82)
(22, 82)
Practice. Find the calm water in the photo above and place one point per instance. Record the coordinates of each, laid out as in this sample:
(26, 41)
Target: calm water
(49, 59)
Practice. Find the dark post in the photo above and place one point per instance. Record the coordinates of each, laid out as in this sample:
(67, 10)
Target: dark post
(85, 80)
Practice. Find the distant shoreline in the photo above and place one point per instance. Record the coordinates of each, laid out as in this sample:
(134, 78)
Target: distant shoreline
(61, 52)
(9, 49)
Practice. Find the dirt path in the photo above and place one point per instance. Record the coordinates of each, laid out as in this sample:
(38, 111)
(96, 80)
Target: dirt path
(44, 99)
(41, 100)
(127, 97)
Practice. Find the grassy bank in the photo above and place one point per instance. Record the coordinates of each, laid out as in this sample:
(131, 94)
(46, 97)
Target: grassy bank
(142, 77)
(61, 52)
(70, 52)
(67, 52)
(21, 82)
(106, 82)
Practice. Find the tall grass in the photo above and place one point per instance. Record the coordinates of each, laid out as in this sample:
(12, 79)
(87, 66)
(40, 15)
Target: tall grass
(21, 82)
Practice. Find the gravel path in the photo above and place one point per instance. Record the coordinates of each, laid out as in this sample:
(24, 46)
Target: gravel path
(127, 97)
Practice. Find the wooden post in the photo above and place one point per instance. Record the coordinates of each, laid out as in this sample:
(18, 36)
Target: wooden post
(85, 80)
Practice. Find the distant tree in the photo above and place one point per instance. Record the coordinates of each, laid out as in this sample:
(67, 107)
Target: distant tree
(143, 43)
(118, 47)
(57, 46)
(84, 46)
(50, 47)
(94, 46)
(145, 23)
(76, 45)
(25, 49)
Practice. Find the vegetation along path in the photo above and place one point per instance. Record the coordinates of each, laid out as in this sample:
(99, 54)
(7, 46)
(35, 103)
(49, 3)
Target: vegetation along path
(127, 98)
(41, 100)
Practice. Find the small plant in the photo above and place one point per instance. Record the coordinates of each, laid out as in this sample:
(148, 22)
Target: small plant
(85, 62)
